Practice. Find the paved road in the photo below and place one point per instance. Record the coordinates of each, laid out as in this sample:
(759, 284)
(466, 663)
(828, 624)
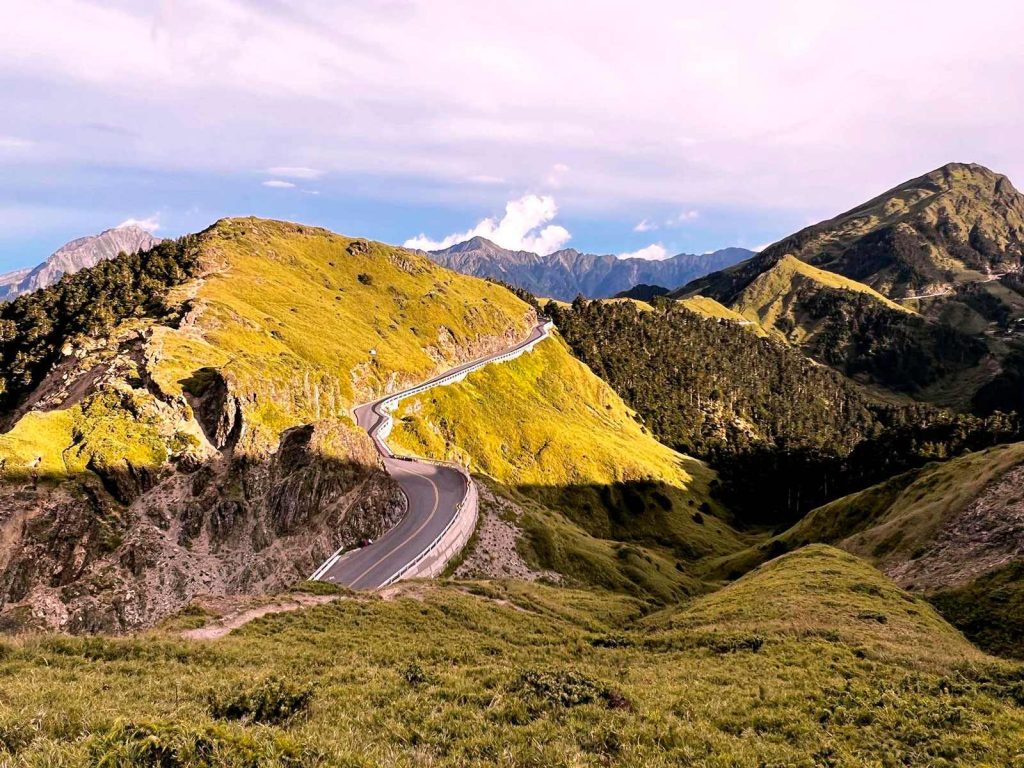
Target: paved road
(433, 492)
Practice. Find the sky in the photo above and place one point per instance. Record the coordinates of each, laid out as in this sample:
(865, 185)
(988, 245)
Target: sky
(647, 128)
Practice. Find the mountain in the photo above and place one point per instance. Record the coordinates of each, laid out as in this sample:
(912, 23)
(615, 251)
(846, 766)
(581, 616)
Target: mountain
(958, 224)
(568, 273)
(916, 291)
(177, 421)
(953, 531)
(642, 292)
(76, 255)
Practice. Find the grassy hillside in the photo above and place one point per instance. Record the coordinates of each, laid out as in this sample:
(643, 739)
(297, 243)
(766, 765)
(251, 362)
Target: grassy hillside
(546, 427)
(952, 531)
(167, 387)
(771, 299)
(311, 323)
(708, 307)
(513, 675)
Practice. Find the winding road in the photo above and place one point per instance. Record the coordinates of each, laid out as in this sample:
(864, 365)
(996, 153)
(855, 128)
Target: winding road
(435, 491)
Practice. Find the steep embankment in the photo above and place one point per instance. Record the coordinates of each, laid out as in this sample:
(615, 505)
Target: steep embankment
(202, 443)
(558, 438)
(954, 531)
(814, 658)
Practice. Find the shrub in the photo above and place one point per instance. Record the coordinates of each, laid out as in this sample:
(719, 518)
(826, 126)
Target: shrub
(565, 689)
(173, 745)
(272, 702)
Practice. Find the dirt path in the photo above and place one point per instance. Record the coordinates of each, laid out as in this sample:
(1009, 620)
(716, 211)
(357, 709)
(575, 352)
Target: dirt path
(225, 624)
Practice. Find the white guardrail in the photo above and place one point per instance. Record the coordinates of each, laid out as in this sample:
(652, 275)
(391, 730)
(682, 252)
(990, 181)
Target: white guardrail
(379, 432)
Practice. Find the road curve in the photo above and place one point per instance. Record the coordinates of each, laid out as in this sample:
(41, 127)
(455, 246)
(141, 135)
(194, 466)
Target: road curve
(434, 491)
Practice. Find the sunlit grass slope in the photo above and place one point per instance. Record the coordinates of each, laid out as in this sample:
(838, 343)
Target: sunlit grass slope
(546, 427)
(770, 299)
(813, 660)
(309, 322)
(708, 307)
(541, 419)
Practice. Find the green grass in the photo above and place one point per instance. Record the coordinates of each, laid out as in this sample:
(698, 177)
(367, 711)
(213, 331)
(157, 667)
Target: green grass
(768, 300)
(606, 503)
(890, 521)
(708, 307)
(989, 610)
(310, 323)
(790, 666)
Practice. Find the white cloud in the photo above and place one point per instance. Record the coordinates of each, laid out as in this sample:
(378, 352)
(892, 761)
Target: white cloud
(150, 223)
(653, 252)
(278, 184)
(363, 89)
(14, 143)
(685, 217)
(556, 176)
(520, 229)
(295, 172)
(645, 225)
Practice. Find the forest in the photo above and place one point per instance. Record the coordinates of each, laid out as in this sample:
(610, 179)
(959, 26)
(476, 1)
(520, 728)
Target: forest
(784, 433)
(36, 326)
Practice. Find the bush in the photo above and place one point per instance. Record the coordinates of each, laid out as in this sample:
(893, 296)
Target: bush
(272, 702)
(173, 745)
(566, 689)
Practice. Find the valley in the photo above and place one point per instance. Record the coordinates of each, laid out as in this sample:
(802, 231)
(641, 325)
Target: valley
(767, 515)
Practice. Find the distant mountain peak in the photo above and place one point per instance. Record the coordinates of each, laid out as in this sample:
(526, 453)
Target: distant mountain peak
(567, 273)
(75, 255)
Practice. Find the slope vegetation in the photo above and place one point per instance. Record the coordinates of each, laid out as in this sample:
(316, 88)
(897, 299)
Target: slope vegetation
(815, 658)
(550, 431)
(206, 386)
(785, 433)
(953, 531)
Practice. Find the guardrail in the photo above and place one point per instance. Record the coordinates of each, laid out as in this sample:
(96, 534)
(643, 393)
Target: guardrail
(381, 428)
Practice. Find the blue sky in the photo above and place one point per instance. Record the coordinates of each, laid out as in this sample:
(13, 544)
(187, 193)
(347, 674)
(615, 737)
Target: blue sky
(653, 127)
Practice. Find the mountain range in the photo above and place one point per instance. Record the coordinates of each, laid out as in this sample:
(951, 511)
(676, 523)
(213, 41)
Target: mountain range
(567, 273)
(773, 517)
(75, 255)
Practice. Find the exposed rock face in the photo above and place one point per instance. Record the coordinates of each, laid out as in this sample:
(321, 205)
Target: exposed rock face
(76, 255)
(568, 273)
(987, 534)
(122, 544)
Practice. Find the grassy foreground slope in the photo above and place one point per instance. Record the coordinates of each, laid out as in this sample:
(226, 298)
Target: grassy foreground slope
(544, 426)
(507, 674)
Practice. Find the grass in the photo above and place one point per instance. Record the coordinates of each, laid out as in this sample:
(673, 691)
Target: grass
(989, 610)
(606, 503)
(309, 323)
(708, 307)
(789, 666)
(768, 300)
(109, 428)
(890, 521)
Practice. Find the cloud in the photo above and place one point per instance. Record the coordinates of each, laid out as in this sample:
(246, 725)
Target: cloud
(150, 223)
(278, 184)
(363, 91)
(557, 174)
(645, 225)
(14, 143)
(685, 217)
(295, 172)
(653, 252)
(520, 229)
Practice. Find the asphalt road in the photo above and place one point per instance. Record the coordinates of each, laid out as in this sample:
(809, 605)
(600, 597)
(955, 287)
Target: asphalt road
(433, 492)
